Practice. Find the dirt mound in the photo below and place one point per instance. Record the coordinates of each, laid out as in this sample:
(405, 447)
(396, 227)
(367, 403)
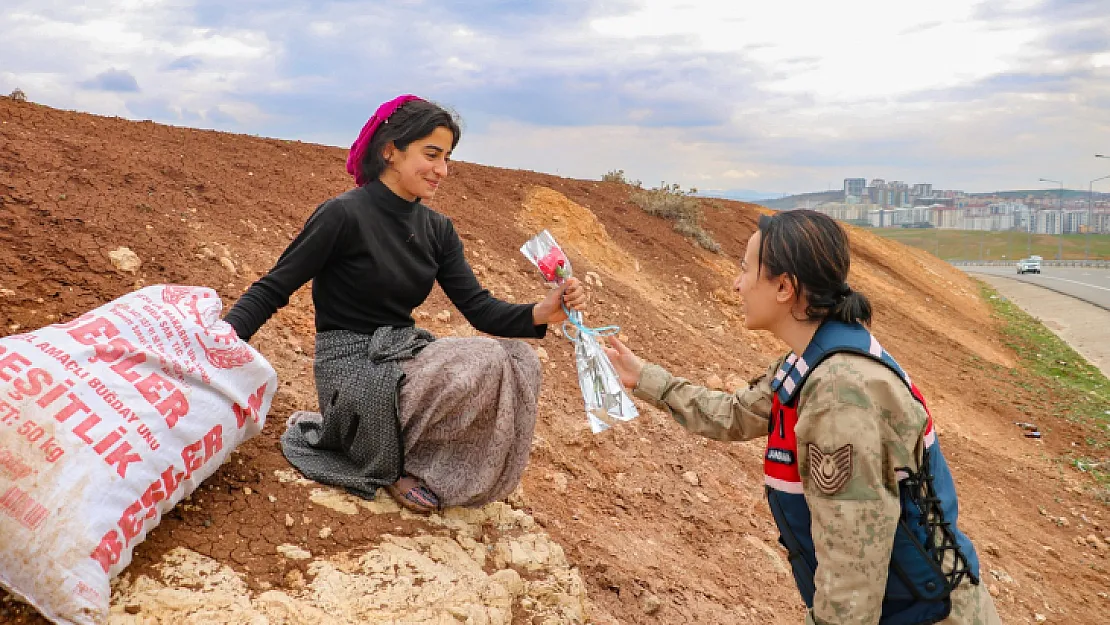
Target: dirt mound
(215, 209)
(576, 228)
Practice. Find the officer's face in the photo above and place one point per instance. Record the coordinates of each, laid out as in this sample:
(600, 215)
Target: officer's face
(760, 293)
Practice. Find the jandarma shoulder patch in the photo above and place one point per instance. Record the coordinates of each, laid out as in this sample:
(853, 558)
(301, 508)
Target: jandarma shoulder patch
(830, 471)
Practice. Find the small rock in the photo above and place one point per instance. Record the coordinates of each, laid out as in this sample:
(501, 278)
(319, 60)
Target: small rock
(125, 260)
(247, 490)
(133, 608)
(593, 279)
(325, 532)
(289, 522)
(293, 552)
(651, 604)
(702, 497)
(687, 280)
(993, 590)
(560, 480)
(271, 498)
(516, 498)
(1040, 618)
(691, 478)
(542, 353)
(444, 316)
(421, 314)
(226, 263)
(295, 579)
(7, 293)
(1001, 575)
(992, 549)
(714, 382)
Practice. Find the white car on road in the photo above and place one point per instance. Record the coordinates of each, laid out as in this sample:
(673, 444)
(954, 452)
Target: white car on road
(1029, 265)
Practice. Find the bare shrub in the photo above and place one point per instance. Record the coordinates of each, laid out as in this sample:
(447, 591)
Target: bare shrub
(672, 203)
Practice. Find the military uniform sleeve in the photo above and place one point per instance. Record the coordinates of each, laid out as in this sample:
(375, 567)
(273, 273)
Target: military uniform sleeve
(718, 415)
(845, 446)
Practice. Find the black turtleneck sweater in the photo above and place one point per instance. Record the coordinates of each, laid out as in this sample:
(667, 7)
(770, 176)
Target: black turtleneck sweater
(373, 257)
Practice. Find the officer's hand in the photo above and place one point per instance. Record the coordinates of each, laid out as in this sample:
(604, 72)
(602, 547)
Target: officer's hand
(627, 364)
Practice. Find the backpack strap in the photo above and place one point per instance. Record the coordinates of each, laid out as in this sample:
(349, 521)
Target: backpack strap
(831, 338)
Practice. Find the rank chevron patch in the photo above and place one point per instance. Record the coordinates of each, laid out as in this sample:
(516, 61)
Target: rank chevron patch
(830, 471)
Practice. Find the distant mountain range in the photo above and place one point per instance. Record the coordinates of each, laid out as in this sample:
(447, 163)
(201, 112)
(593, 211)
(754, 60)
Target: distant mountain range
(1069, 194)
(742, 195)
(791, 201)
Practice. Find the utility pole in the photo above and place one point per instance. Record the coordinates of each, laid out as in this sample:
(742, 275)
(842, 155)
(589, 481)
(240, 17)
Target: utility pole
(1089, 211)
(1090, 223)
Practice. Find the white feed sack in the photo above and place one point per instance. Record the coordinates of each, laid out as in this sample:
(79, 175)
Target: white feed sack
(106, 422)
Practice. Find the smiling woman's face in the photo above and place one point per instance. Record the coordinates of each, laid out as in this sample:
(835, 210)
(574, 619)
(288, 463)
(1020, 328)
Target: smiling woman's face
(417, 171)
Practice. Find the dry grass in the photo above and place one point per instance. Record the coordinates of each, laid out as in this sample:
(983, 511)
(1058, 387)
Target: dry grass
(672, 203)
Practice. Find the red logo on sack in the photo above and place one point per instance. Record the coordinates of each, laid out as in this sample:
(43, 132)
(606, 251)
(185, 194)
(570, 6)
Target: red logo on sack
(228, 358)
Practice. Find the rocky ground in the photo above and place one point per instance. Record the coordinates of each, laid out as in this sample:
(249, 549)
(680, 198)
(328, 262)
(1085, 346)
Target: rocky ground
(640, 524)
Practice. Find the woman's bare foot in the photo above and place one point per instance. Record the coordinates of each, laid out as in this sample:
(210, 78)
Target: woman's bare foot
(414, 495)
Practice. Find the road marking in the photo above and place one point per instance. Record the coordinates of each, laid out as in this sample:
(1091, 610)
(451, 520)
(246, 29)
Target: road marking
(1102, 288)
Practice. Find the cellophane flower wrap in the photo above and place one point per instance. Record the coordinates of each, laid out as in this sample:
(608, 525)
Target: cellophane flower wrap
(606, 401)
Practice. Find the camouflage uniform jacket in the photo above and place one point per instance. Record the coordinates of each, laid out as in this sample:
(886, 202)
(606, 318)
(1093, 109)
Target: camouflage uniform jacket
(850, 405)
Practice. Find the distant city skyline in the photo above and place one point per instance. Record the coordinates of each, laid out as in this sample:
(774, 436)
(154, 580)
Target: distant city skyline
(881, 204)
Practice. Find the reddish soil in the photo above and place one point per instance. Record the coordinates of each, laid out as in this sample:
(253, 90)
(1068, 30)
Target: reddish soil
(74, 187)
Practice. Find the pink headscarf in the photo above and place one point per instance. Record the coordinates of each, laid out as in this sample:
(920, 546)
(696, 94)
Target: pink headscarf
(358, 148)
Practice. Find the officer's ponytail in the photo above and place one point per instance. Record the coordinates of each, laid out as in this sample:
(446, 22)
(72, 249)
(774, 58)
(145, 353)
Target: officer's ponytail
(812, 250)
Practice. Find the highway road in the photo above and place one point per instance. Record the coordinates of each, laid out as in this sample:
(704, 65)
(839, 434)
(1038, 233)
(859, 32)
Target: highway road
(1085, 283)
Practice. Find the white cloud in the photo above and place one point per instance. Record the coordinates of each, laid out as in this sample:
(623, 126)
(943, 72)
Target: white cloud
(143, 38)
(838, 51)
(785, 95)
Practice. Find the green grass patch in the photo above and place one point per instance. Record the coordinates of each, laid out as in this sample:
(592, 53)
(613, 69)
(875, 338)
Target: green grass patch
(1060, 368)
(982, 245)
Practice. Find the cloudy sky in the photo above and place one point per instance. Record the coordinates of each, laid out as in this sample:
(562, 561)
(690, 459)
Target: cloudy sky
(783, 96)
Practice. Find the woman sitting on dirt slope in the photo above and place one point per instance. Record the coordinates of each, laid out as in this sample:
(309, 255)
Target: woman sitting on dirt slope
(856, 481)
(436, 422)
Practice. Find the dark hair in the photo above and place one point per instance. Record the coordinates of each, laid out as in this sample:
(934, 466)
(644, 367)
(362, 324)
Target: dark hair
(812, 249)
(414, 120)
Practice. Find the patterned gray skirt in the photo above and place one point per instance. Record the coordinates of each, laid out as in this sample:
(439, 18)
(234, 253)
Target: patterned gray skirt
(465, 413)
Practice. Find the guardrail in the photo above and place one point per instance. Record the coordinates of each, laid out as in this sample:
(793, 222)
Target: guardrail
(1103, 264)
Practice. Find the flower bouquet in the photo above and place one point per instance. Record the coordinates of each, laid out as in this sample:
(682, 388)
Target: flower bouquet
(605, 398)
